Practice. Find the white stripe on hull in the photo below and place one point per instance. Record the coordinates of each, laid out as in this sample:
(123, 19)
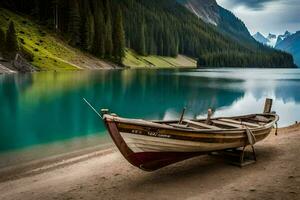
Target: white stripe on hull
(141, 143)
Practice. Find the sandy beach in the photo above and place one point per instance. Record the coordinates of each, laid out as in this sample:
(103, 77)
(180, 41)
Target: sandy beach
(107, 175)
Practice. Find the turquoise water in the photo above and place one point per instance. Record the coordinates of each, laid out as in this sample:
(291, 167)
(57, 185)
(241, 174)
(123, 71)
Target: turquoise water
(44, 108)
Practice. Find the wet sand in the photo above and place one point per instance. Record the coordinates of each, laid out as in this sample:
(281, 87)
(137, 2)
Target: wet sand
(106, 175)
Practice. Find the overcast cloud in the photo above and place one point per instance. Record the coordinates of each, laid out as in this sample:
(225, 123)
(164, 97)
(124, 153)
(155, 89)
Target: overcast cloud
(265, 16)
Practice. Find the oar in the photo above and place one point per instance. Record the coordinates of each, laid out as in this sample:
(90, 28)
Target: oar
(92, 108)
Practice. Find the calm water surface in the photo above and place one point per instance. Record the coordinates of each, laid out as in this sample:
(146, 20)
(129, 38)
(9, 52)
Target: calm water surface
(44, 108)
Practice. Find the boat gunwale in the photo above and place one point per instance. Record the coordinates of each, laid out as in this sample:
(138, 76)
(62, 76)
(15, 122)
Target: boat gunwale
(157, 124)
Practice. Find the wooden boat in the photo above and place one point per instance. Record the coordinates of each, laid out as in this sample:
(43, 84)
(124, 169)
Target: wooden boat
(151, 145)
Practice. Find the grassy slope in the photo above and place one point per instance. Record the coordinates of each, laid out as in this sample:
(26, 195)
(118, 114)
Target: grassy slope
(47, 50)
(133, 60)
(51, 53)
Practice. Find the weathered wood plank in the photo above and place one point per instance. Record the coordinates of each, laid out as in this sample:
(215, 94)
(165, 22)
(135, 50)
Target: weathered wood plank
(201, 125)
(227, 124)
(268, 106)
(239, 122)
(180, 126)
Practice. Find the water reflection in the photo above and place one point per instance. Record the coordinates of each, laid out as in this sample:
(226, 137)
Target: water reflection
(47, 107)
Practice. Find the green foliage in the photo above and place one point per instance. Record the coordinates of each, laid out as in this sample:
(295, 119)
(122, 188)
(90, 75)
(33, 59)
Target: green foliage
(249, 60)
(2, 40)
(132, 59)
(87, 27)
(98, 45)
(11, 43)
(27, 54)
(201, 62)
(233, 27)
(141, 49)
(108, 30)
(74, 23)
(52, 54)
(119, 37)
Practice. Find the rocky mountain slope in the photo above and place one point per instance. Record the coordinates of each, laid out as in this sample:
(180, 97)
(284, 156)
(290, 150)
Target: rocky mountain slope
(260, 38)
(207, 10)
(226, 22)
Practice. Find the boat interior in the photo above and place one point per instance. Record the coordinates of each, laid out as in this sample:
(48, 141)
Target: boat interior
(240, 122)
(251, 121)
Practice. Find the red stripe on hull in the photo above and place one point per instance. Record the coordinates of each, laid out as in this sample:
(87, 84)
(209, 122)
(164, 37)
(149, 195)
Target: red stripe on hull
(150, 161)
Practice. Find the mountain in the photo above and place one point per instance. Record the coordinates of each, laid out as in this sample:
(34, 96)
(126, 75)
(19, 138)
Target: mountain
(282, 37)
(272, 38)
(291, 44)
(287, 42)
(157, 27)
(260, 38)
(207, 10)
(225, 21)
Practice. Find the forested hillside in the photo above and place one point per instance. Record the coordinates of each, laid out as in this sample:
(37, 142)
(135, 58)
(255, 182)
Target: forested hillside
(225, 21)
(158, 27)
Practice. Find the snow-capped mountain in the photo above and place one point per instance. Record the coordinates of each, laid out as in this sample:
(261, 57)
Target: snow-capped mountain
(272, 40)
(260, 38)
(283, 37)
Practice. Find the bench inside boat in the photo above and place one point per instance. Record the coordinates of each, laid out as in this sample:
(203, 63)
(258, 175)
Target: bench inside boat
(250, 121)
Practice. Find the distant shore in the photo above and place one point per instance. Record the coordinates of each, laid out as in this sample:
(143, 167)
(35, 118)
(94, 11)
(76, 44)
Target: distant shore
(105, 174)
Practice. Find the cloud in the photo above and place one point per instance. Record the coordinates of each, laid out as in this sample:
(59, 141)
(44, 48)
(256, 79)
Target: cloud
(251, 4)
(266, 16)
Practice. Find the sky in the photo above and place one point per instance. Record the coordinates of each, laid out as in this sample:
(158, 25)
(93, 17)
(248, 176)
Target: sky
(266, 16)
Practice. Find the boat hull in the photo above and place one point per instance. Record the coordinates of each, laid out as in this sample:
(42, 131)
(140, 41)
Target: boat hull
(151, 147)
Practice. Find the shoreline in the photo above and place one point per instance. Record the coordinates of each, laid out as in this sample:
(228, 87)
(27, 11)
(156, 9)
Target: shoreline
(105, 174)
(5, 70)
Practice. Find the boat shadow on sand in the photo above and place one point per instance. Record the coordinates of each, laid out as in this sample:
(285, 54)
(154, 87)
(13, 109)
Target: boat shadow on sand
(207, 169)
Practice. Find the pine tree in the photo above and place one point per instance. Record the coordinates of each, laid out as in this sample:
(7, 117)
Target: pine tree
(11, 43)
(108, 31)
(2, 41)
(142, 40)
(119, 37)
(87, 27)
(98, 45)
(55, 14)
(36, 9)
(74, 23)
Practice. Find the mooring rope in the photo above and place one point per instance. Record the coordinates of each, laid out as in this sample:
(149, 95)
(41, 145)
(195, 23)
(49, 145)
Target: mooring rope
(276, 128)
(251, 136)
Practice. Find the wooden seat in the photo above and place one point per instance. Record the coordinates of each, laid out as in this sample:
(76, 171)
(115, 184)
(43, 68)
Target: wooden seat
(262, 119)
(240, 122)
(227, 124)
(201, 125)
(179, 126)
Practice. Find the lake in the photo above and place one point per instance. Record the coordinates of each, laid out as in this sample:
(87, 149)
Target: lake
(43, 111)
